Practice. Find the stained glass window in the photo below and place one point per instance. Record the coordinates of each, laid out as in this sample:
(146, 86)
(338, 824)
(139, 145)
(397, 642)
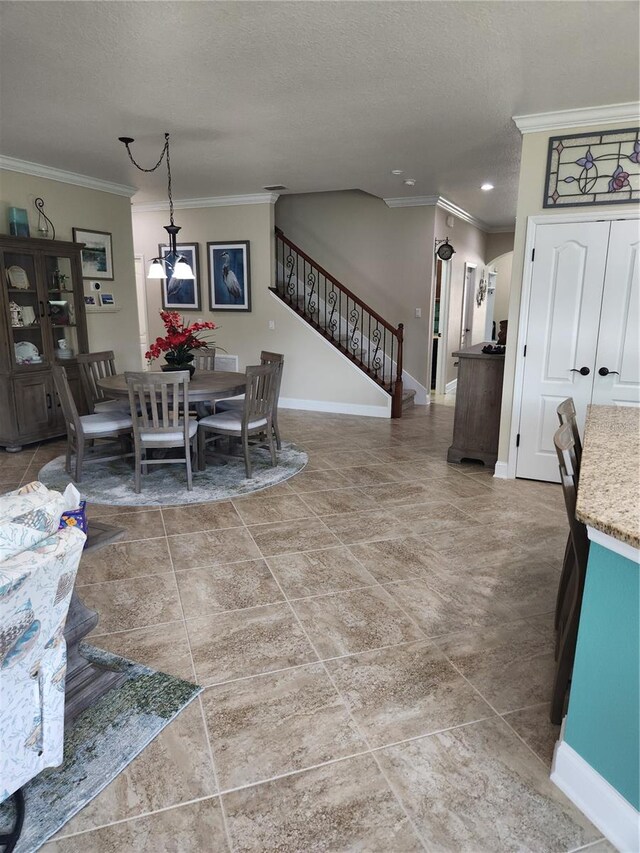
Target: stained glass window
(593, 168)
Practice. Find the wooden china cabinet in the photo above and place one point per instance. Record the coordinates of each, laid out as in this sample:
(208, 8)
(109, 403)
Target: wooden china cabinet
(42, 323)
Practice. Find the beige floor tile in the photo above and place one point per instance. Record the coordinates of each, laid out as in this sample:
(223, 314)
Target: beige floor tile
(138, 525)
(478, 788)
(174, 768)
(231, 586)
(342, 806)
(338, 501)
(96, 510)
(259, 509)
(425, 519)
(287, 537)
(315, 481)
(366, 526)
(211, 548)
(396, 559)
(274, 724)
(526, 586)
(401, 494)
(372, 475)
(125, 560)
(536, 730)
(404, 692)
(133, 603)
(196, 517)
(439, 615)
(512, 666)
(247, 642)
(189, 828)
(163, 647)
(348, 622)
(341, 459)
(318, 572)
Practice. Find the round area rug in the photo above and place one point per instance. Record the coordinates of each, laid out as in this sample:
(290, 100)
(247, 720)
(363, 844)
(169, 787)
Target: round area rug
(166, 485)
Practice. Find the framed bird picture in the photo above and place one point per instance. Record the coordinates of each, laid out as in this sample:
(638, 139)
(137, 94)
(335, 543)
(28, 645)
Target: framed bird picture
(229, 276)
(181, 294)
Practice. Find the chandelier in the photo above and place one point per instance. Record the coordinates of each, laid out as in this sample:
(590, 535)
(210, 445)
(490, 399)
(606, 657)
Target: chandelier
(173, 265)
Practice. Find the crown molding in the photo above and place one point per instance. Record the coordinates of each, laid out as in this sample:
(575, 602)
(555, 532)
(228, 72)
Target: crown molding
(213, 201)
(413, 201)
(38, 170)
(449, 206)
(581, 117)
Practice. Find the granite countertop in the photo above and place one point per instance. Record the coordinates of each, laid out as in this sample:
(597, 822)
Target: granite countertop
(609, 489)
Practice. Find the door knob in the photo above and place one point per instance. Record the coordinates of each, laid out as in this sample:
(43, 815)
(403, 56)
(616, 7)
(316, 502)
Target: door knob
(604, 371)
(583, 371)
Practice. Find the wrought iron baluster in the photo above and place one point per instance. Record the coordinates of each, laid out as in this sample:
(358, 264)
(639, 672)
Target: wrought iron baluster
(376, 338)
(290, 264)
(311, 280)
(354, 341)
(332, 299)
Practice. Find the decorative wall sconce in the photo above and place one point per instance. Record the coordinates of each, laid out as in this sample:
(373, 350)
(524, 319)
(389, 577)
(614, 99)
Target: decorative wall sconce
(43, 221)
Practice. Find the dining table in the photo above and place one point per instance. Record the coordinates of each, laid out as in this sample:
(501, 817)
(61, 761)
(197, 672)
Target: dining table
(204, 385)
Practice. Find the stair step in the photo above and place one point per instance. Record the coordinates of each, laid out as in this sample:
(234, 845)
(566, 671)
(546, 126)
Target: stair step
(408, 398)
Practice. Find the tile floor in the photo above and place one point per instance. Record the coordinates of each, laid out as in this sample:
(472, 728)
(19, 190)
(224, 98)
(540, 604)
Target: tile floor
(375, 640)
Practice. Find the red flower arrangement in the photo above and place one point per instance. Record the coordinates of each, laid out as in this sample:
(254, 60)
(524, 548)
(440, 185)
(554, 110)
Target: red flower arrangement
(179, 340)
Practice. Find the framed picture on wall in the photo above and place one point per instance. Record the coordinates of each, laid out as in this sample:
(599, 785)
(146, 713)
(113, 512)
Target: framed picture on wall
(97, 255)
(182, 294)
(229, 276)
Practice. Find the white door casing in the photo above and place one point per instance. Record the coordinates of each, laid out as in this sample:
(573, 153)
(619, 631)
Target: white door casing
(468, 299)
(619, 338)
(561, 337)
(141, 298)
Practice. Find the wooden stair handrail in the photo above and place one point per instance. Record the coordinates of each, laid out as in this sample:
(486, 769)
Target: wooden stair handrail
(395, 331)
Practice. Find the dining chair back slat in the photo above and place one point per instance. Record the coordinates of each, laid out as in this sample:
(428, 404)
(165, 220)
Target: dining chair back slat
(67, 403)
(93, 367)
(260, 392)
(567, 415)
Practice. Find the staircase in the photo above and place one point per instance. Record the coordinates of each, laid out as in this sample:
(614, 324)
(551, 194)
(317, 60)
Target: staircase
(359, 332)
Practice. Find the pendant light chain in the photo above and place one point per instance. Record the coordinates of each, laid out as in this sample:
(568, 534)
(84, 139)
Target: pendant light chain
(165, 150)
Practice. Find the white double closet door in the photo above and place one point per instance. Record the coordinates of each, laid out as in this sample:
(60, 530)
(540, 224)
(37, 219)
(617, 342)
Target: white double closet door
(583, 332)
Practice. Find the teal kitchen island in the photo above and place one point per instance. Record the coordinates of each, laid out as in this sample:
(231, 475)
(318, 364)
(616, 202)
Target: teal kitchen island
(597, 759)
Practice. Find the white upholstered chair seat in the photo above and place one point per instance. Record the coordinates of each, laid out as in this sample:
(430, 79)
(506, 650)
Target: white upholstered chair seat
(230, 420)
(105, 422)
(233, 404)
(172, 438)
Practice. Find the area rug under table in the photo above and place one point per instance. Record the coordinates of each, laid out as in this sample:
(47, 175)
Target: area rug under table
(99, 744)
(166, 485)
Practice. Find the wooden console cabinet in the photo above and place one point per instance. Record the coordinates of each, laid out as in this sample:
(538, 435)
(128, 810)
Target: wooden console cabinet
(476, 424)
(41, 305)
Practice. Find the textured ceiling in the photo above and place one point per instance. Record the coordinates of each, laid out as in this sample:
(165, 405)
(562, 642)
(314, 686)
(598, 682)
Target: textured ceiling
(313, 95)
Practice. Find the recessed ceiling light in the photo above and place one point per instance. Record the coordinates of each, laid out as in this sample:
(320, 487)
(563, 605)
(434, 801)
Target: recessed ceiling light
(397, 171)
(410, 182)
(486, 187)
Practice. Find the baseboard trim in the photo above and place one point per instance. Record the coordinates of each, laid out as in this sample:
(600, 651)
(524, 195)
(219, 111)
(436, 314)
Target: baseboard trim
(335, 408)
(450, 387)
(616, 818)
(501, 471)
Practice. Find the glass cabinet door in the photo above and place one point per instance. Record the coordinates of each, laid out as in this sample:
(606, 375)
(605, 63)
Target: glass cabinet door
(26, 309)
(61, 306)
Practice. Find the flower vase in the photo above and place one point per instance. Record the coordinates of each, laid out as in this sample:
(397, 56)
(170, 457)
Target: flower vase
(178, 364)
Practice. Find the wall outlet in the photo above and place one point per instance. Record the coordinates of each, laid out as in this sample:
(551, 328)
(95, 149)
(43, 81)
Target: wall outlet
(450, 221)
(418, 313)
(272, 324)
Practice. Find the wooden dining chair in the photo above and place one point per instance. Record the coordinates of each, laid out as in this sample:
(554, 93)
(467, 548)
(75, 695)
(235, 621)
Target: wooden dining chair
(95, 366)
(83, 431)
(237, 403)
(570, 617)
(255, 418)
(158, 401)
(567, 415)
(204, 358)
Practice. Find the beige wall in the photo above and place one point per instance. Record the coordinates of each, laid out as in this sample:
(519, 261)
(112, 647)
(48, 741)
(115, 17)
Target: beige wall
(498, 244)
(384, 255)
(469, 244)
(71, 206)
(502, 265)
(314, 370)
(530, 196)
